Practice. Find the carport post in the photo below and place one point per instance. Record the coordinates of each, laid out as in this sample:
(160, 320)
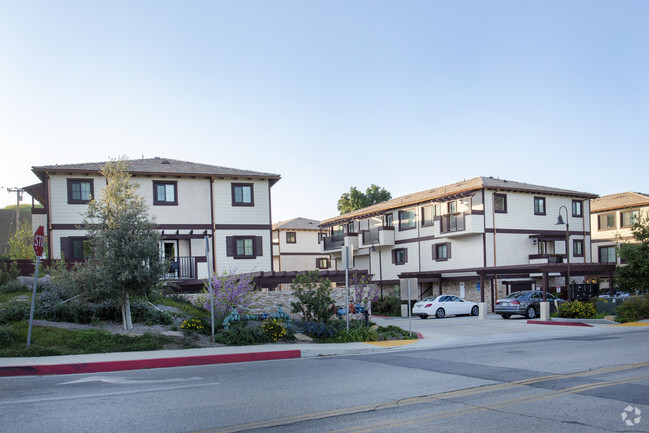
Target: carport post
(483, 305)
(545, 305)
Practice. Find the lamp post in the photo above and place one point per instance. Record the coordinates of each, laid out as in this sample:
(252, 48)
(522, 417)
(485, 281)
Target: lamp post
(561, 222)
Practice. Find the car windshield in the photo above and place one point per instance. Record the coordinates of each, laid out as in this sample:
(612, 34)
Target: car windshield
(430, 298)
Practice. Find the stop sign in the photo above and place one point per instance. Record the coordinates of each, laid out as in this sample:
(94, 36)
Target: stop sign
(39, 237)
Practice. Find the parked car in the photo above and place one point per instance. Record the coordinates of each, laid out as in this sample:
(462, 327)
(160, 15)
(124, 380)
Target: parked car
(526, 303)
(442, 305)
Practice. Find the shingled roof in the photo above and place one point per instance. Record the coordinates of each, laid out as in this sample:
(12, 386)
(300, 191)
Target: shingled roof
(455, 190)
(158, 166)
(619, 201)
(297, 224)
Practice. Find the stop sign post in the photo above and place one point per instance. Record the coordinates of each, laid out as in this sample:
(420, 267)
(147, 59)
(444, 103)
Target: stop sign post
(39, 240)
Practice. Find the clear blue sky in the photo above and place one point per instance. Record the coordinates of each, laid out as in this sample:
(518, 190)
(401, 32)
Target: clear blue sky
(331, 94)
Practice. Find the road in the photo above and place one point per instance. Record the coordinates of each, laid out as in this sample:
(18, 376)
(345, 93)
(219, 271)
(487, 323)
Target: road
(594, 380)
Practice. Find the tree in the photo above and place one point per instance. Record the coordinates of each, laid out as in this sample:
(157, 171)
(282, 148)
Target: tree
(633, 273)
(313, 295)
(229, 291)
(21, 244)
(125, 254)
(355, 199)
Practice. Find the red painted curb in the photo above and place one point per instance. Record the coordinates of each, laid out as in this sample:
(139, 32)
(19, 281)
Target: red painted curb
(138, 364)
(552, 322)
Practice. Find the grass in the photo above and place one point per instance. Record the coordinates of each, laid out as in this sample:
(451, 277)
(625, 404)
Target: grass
(48, 341)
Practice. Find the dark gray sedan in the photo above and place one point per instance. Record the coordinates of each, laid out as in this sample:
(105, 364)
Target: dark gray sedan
(527, 303)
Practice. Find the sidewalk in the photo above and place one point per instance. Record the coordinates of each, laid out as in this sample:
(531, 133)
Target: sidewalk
(447, 332)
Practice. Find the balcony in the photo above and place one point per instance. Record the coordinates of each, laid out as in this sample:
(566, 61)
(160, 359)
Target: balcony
(181, 268)
(377, 236)
(461, 225)
(338, 241)
(536, 259)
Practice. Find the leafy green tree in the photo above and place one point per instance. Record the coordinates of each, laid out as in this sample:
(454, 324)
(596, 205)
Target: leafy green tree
(355, 199)
(125, 254)
(633, 273)
(21, 244)
(313, 295)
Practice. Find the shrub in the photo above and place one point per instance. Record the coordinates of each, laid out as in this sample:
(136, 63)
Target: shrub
(8, 272)
(14, 311)
(355, 335)
(14, 287)
(273, 329)
(317, 330)
(313, 297)
(194, 325)
(229, 291)
(577, 310)
(388, 306)
(240, 335)
(8, 335)
(633, 309)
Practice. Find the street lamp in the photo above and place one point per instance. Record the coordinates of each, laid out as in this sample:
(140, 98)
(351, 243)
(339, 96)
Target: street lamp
(561, 222)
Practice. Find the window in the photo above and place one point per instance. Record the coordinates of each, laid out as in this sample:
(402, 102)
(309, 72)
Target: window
(578, 248)
(350, 227)
(80, 191)
(79, 248)
(399, 256)
(452, 207)
(407, 220)
(500, 203)
(577, 208)
(606, 221)
(322, 263)
(243, 194)
(244, 247)
(629, 217)
(607, 255)
(165, 193)
(291, 237)
(389, 220)
(539, 205)
(427, 215)
(442, 251)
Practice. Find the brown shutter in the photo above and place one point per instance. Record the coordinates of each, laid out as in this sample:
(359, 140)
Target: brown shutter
(448, 250)
(65, 248)
(229, 246)
(405, 255)
(434, 252)
(259, 246)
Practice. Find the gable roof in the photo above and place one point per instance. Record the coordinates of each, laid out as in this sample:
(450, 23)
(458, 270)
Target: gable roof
(298, 223)
(158, 167)
(452, 191)
(619, 201)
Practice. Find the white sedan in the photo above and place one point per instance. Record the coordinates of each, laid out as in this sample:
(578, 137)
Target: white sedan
(443, 305)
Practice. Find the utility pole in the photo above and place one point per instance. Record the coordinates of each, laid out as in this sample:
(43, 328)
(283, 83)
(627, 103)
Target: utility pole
(19, 198)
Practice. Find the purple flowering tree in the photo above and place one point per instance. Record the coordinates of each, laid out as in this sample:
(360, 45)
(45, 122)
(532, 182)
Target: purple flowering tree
(364, 291)
(230, 291)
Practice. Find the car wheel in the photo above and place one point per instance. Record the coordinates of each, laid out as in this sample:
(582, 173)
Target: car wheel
(440, 313)
(531, 313)
(506, 316)
(475, 310)
(424, 316)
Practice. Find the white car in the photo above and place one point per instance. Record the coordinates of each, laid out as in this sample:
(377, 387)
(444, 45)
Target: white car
(442, 305)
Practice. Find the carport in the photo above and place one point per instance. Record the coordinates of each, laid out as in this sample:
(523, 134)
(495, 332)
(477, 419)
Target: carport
(522, 274)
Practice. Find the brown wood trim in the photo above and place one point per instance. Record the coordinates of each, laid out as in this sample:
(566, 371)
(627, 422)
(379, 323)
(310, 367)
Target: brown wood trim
(243, 227)
(303, 254)
(412, 240)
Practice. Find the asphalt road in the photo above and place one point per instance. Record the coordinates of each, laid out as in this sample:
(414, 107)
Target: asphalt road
(584, 382)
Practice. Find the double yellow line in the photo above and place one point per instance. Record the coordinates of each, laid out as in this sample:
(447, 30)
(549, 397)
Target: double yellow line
(448, 395)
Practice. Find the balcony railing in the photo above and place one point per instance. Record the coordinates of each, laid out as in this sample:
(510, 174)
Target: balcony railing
(370, 236)
(182, 268)
(334, 241)
(452, 223)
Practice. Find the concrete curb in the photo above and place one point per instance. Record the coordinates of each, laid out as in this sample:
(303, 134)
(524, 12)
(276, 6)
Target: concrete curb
(138, 364)
(555, 322)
